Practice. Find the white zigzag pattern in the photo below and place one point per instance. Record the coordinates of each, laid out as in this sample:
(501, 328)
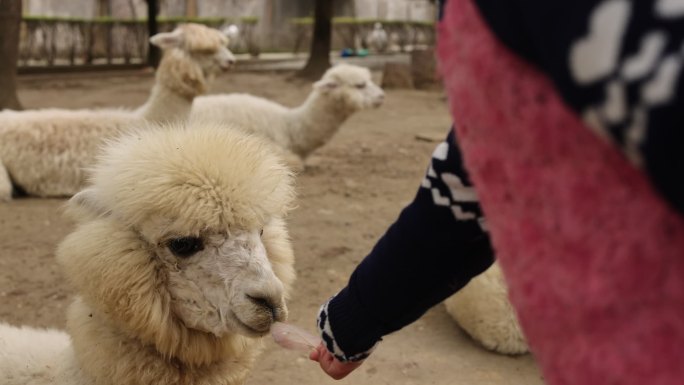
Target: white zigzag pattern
(439, 199)
(459, 191)
(462, 215)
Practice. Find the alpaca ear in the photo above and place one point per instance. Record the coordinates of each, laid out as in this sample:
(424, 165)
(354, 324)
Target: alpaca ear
(86, 202)
(166, 40)
(325, 85)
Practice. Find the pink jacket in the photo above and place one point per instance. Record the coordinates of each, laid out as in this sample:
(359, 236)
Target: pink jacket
(593, 256)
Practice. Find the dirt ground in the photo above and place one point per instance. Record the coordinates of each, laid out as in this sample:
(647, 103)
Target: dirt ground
(353, 188)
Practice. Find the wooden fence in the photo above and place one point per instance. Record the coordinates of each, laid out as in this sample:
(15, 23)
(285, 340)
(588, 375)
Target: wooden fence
(352, 33)
(50, 42)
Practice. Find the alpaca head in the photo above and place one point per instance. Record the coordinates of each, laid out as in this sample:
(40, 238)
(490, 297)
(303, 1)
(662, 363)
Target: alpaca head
(193, 54)
(175, 237)
(232, 31)
(351, 86)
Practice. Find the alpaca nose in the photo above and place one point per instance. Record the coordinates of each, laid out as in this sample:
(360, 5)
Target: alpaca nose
(266, 304)
(227, 64)
(379, 99)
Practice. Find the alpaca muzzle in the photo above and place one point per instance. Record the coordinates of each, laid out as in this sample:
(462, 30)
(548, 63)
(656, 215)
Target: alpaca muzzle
(261, 302)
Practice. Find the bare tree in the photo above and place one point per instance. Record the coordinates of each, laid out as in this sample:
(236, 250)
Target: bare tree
(10, 22)
(191, 8)
(321, 41)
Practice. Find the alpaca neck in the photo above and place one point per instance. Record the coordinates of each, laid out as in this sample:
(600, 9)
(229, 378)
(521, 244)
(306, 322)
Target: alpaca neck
(108, 355)
(165, 105)
(312, 124)
(177, 82)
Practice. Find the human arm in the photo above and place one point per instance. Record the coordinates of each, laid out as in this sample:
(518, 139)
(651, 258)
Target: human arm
(432, 250)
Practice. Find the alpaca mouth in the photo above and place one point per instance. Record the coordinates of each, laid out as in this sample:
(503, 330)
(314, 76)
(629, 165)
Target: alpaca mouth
(250, 330)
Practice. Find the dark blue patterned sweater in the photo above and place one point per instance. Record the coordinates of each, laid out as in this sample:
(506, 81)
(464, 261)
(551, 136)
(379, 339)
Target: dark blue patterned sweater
(435, 247)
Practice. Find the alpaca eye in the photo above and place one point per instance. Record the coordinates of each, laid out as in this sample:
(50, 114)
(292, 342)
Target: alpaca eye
(184, 247)
(261, 232)
(361, 86)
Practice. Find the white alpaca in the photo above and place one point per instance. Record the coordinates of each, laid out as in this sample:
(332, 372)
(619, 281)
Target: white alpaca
(180, 260)
(378, 39)
(483, 310)
(44, 152)
(232, 31)
(343, 90)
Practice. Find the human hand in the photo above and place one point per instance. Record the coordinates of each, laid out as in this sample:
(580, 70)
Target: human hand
(331, 365)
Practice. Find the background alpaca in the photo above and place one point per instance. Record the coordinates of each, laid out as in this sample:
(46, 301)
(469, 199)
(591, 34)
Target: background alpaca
(44, 151)
(483, 310)
(232, 31)
(181, 260)
(343, 90)
(378, 39)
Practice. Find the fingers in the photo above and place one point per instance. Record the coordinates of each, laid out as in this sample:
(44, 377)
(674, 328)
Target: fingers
(339, 370)
(315, 354)
(330, 365)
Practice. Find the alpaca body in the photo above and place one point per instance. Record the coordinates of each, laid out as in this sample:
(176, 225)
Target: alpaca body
(44, 152)
(482, 310)
(299, 130)
(343, 90)
(57, 169)
(22, 364)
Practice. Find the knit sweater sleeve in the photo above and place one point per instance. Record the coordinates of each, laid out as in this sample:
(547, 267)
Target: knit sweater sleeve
(434, 248)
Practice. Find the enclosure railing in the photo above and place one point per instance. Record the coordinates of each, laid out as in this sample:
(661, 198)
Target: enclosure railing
(47, 42)
(352, 32)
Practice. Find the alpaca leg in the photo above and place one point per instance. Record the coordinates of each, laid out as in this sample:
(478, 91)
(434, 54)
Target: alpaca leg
(5, 184)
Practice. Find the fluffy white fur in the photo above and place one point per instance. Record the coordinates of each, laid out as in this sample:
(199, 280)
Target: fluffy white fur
(145, 314)
(483, 310)
(44, 152)
(27, 356)
(343, 90)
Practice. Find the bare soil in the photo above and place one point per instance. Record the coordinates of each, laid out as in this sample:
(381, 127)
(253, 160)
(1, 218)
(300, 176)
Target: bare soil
(352, 189)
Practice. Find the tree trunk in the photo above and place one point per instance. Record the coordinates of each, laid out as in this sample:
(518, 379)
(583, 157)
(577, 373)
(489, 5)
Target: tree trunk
(321, 41)
(154, 54)
(10, 22)
(191, 8)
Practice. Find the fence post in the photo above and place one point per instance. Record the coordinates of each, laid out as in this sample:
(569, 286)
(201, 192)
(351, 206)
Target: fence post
(153, 54)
